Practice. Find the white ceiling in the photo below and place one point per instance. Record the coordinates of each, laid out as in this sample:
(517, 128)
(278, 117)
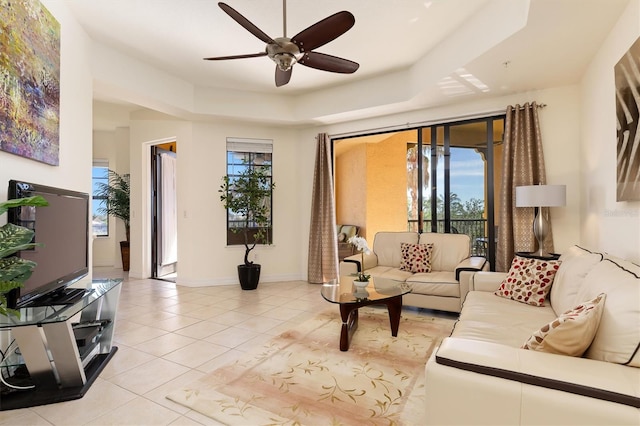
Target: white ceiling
(559, 39)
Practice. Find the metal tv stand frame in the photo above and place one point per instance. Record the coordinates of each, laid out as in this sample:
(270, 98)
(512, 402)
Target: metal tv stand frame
(64, 347)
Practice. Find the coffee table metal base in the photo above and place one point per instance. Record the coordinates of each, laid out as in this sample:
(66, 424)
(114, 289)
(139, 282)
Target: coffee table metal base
(349, 314)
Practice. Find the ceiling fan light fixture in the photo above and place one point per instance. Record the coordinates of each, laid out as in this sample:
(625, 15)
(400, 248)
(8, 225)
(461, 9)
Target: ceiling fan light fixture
(284, 60)
(286, 52)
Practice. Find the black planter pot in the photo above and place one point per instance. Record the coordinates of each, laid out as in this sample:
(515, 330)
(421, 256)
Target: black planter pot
(249, 276)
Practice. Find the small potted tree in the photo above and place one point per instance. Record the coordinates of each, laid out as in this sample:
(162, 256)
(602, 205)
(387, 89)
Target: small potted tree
(117, 194)
(13, 270)
(247, 197)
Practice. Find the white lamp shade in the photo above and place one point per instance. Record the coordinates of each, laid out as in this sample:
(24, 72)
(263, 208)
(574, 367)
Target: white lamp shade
(541, 196)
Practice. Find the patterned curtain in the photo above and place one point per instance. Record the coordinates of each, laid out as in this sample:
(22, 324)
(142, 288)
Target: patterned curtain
(323, 241)
(522, 164)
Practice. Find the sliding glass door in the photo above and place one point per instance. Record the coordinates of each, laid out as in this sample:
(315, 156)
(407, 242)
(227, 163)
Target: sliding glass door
(452, 176)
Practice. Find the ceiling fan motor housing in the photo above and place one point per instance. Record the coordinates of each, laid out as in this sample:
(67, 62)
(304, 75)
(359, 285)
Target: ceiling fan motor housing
(284, 53)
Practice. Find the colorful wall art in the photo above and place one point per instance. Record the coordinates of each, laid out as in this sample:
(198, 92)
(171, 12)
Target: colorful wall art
(29, 80)
(628, 133)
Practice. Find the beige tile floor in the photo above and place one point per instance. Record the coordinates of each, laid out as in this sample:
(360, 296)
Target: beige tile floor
(169, 336)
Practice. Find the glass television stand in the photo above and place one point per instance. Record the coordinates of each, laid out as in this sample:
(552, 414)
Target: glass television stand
(61, 348)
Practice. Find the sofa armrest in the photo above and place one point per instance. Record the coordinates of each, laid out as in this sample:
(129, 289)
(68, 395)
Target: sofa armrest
(605, 381)
(472, 264)
(486, 281)
(370, 261)
(348, 267)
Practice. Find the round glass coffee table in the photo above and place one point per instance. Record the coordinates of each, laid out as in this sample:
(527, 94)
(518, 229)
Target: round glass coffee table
(379, 291)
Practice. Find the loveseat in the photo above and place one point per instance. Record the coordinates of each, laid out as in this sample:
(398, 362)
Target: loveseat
(510, 362)
(449, 267)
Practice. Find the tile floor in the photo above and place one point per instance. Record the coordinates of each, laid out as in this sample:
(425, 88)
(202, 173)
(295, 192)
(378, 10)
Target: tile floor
(168, 336)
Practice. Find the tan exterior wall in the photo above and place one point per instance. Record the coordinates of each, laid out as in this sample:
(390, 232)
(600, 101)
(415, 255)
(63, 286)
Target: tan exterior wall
(387, 186)
(371, 186)
(350, 187)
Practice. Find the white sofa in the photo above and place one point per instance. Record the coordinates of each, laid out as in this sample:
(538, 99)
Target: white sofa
(443, 288)
(479, 375)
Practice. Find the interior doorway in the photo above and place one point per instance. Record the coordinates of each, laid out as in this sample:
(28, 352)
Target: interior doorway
(164, 224)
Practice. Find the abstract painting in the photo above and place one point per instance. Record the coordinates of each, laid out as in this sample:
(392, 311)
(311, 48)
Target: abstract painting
(627, 75)
(29, 81)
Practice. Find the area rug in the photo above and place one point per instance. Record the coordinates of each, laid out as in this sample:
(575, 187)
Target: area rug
(302, 378)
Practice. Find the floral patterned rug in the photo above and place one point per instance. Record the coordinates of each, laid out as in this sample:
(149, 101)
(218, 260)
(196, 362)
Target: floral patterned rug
(302, 377)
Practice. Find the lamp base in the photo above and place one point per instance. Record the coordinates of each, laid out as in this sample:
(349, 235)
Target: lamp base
(540, 231)
(543, 254)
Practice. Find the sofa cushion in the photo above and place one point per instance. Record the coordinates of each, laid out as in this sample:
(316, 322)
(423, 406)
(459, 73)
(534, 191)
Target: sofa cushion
(528, 280)
(386, 246)
(618, 336)
(448, 249)
(440, 283)
(572, 332)
(495, 319)
(416, 257)
(389, 272)
(576, 264)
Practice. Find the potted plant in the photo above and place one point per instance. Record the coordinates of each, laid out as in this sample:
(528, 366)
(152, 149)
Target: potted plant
(247, 196)
(13, 270)
(116, 194)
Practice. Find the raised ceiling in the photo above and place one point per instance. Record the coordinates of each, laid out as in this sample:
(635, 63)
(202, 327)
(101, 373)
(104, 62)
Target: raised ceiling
(552, 46)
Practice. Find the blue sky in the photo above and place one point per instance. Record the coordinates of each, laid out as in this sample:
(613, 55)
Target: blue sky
(467, 174)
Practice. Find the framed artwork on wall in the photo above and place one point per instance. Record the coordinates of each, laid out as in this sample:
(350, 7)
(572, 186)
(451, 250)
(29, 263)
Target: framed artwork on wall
(627, 76)
(29, 81)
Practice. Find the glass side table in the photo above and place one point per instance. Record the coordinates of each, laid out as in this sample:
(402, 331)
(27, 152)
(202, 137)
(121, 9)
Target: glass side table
(63, 347)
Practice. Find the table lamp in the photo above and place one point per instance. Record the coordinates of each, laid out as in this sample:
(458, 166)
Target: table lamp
(541, 196)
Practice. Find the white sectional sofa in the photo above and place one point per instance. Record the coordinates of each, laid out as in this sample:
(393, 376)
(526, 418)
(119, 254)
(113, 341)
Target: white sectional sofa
(480, 374)
(443, 288)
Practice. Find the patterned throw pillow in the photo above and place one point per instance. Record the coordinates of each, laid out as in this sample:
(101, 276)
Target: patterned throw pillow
(529, 280)
(416, 257)
(572, 332)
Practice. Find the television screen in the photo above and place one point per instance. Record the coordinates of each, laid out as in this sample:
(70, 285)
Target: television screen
(62, 228)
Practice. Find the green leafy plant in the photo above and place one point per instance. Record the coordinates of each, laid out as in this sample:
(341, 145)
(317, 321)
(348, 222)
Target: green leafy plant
(14, 271)
(117, 194)
(247, 195)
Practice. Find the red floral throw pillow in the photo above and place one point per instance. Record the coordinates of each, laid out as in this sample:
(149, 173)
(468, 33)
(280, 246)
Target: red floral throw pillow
(416, 257)
(529, 280)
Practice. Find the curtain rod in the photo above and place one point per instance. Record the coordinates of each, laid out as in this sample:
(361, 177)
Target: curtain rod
(410, 125)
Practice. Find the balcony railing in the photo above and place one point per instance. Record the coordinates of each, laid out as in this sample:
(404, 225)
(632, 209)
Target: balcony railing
(476, 229)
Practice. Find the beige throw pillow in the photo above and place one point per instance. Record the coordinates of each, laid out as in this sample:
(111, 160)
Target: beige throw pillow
(572, 332)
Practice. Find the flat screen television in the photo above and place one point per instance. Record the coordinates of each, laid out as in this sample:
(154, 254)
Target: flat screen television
(63, 229)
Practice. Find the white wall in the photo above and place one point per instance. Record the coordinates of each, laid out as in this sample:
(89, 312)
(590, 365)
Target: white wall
(578, 132)
(605, 223)
(203, 257)
(74, 171)
(112, 146)
(559, 122)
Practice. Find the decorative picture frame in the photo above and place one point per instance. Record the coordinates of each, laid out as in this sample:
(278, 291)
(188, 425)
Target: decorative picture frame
(29, 81)
(627, 82)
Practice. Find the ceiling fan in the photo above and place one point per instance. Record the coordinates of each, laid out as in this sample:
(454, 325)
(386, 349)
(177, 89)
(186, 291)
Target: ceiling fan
(285, 52)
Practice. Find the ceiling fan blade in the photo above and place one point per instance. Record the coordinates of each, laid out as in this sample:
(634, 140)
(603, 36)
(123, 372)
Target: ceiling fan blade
(245, 23)
(249, 55)
(283, 77)
(324, 31)
(329, 63)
